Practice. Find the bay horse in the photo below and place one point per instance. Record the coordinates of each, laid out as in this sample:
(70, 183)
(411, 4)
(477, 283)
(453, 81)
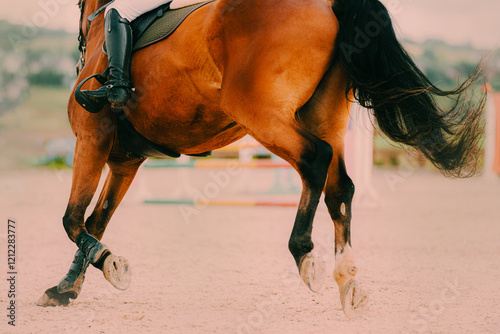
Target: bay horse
(284, 72)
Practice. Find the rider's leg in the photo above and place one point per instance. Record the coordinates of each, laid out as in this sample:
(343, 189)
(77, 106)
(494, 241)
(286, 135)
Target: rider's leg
(119, 47)
(131, 9)
(118, 35)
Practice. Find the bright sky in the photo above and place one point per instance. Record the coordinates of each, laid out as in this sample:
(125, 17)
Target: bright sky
(454, 21)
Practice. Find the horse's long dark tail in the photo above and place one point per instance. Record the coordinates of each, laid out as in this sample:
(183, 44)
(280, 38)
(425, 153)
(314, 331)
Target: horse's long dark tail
(384, 78)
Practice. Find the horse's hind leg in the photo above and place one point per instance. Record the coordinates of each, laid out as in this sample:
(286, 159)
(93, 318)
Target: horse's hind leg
(310, 156)
(115, 269)
(327, 116)
(268, 115)
(339, 192)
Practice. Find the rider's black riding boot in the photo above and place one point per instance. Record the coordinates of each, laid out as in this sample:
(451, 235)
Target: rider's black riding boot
(118, 35)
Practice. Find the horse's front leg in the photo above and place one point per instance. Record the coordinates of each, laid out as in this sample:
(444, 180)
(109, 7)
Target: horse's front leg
(122, 172)
(339, 192)
(91, 153)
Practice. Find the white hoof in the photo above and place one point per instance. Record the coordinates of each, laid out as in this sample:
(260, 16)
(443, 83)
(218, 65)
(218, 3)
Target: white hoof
(117, 271)
(313, 271)
(353, 299)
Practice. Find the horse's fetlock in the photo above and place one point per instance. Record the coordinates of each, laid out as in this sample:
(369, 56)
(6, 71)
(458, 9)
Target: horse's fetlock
(344, 273)
(353, 270)
(300, 246)
(69, 227)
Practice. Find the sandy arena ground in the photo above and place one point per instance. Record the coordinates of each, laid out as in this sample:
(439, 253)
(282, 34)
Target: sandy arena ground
(429, 255)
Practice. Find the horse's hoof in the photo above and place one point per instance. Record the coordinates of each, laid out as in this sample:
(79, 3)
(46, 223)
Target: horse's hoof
(117, 271)
(353, 299)
(312, 270)
(53, 298)
(71, 289)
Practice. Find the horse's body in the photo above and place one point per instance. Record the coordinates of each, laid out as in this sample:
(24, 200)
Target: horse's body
(271, 69)
(189, 114)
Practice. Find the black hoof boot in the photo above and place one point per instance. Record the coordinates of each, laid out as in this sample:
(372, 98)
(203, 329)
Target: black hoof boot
(72, 283)
(93, 249)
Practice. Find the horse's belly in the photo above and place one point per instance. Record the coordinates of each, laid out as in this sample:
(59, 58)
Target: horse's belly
(200, 137)
(185, 123)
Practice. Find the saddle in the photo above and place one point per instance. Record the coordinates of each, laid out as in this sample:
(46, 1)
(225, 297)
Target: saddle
(148, 29)
(159, 23)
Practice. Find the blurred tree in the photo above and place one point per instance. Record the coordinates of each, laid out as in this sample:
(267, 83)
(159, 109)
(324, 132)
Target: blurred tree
(46, 77)
(14, 86)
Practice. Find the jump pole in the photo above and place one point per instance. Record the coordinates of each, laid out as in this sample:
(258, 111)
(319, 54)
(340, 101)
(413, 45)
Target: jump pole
(359, 165)
(215, 164)
(246, 152)
(186, 201)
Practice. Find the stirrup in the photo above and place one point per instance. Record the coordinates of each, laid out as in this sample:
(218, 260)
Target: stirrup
(92, 104)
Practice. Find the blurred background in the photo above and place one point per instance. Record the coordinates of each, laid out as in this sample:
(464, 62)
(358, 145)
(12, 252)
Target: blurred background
(206, 268)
